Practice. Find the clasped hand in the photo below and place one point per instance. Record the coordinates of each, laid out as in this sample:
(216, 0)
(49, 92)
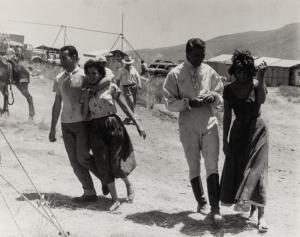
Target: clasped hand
(201, 100)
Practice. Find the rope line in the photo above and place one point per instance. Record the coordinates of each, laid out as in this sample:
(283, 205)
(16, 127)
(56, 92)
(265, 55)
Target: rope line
(92, 30)
(45, 215)
(132, 48)
(68, 39)
(26, 199)
(30, 22)
(115, 43)
(58, 33)
(40, 195)
(54, 25)
(12, 215)
(20, 163)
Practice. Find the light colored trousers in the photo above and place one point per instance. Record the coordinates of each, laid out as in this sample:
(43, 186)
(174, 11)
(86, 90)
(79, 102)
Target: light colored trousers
(130, 93)
(199, 136)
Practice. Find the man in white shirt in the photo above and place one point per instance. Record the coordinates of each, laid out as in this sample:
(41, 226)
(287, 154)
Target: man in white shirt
(194, 89)
(129, 81)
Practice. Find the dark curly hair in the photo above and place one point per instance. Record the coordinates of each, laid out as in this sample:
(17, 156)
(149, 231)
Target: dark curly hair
(93, 63)
(242, 60)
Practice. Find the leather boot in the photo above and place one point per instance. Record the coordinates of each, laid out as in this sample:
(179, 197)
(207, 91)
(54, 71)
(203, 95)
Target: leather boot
(213, 188)
(199, 195)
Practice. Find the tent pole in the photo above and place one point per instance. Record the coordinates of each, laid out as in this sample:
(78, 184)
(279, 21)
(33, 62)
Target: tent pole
(122, 41)
(65, 34)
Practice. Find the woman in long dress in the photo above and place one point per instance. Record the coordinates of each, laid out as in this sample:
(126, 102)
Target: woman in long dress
(110, 143)
(244, 177)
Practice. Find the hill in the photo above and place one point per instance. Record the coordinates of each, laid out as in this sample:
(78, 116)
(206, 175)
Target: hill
(280, 43)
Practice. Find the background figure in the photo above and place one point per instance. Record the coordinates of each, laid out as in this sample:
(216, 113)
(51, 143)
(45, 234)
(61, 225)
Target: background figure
(144, 69)
(67, 88)
(244, 177)
(194, 89)
(109, 74)
(19, 53)
(129, 80)
(11, 54)
(110, 142)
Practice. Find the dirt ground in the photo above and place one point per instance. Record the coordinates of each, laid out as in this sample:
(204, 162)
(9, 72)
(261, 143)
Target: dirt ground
(164, 204)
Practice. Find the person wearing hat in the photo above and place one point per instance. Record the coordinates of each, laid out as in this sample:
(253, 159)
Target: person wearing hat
(194, 90)
(129, 80)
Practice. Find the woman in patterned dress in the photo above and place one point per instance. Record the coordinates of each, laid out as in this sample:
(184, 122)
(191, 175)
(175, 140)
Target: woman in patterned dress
(110, 143)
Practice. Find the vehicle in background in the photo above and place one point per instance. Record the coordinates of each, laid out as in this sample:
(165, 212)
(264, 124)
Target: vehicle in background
(160, 67)
(45, 54)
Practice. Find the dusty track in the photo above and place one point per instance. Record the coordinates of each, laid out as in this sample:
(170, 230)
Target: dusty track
(164, 205)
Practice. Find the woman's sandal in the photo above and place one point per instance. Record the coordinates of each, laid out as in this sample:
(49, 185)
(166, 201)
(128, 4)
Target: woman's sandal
(116, 204)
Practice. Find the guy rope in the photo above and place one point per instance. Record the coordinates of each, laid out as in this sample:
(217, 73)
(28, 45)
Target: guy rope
(46, 211)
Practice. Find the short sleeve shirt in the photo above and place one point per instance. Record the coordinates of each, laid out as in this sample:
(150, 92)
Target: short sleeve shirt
(102, 103)
(68, 86)
(128, 77)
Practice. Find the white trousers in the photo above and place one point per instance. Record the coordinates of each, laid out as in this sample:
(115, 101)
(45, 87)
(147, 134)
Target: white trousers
(199, 140)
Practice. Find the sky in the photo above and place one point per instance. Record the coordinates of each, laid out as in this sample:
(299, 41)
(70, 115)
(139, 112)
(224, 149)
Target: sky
(147, 23)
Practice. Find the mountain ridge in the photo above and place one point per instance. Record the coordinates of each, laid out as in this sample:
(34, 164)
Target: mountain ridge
(279, 43)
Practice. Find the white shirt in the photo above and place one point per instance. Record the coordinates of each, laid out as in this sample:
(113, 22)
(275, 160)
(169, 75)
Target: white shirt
(185, 82)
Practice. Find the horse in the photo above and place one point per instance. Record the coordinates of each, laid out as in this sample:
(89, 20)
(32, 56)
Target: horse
(14, 72)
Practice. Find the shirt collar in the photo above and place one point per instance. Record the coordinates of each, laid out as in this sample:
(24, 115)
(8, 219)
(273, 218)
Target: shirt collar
(74, 71)
(188, 65)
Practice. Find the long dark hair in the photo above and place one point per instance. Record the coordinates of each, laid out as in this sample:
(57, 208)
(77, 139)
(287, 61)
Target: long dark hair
(242, 60)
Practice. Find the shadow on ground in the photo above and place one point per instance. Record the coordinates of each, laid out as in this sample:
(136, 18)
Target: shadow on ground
(234, 224)
(57, 200)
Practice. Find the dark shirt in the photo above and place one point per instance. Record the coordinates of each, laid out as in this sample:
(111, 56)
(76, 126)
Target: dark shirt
(244, 110)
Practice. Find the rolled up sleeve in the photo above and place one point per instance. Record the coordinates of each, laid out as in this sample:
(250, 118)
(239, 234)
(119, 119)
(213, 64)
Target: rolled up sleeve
(171, 94)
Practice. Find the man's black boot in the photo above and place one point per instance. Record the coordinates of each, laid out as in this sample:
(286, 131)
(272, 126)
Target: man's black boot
(199, 195)
(213, 188)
